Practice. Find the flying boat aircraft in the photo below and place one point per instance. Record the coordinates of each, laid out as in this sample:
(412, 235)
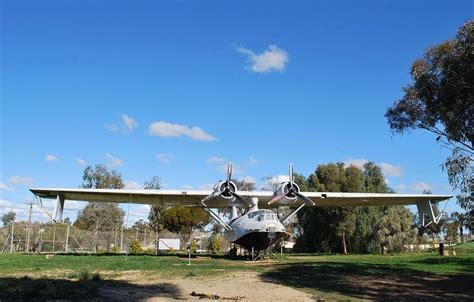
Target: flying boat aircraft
(259, 227)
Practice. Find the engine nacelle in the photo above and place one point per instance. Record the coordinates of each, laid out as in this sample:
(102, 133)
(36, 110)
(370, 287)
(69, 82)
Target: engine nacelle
(221, 186)
(284, 189)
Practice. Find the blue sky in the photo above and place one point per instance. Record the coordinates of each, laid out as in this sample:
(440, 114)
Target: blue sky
(176, 89)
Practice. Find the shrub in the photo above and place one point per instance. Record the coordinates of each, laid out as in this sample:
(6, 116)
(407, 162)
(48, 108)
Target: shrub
(215, 244)
(135, 247)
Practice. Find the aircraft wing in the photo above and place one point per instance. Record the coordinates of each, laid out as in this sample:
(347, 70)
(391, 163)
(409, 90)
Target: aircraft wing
(194, 197)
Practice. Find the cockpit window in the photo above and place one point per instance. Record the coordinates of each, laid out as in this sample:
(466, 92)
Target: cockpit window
(262, 215)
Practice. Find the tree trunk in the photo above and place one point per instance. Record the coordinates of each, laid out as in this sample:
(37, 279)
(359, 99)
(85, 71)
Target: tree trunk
(462, 233)
(344, 246)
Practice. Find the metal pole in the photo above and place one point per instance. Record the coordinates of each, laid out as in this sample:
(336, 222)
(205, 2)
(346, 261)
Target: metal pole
(121, 239)
(136, 235)
(67, 240)
(54, 236)
(144, 238)
(11, 238)
(157, 243)
(189, 257)
(29, 229)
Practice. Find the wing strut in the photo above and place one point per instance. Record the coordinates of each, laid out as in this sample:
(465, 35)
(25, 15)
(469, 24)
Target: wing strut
(216, 217)
(59, 209)
(426, 213)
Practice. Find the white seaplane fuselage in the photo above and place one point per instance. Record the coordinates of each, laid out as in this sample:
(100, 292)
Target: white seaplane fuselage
(257, 229)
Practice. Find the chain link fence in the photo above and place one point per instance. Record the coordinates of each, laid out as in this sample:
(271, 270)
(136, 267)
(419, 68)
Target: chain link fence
(64, 238)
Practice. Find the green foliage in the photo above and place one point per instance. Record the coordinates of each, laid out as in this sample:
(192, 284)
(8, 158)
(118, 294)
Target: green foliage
(135, 247)
(357, 229)
(100, 216)
(171, 251)
(394, 228)
(8, 218)
(155, 216)
(440, 100)
(193, 246)
(183, 221)
(115, 249)
(215, 244)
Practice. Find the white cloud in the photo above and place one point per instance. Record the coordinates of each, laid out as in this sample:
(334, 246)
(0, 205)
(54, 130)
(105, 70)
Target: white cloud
(387, 169)
(4, 187)
(222, 163)
(401, 187)
(187, 187)
(252, 160)
(111, 127)
(357, 162)
(17, 180)
(165, 158)
(273, 59)
(80, 161)
(51, 158)
(137, 212)
(128, 122)
(391, 170)
(165, 129)
(421, 186)
(113, 161)
(272, 182)
(130, 184)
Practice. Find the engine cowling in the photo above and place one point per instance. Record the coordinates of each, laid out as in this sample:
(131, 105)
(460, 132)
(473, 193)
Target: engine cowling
(284, 189)
(220, 187)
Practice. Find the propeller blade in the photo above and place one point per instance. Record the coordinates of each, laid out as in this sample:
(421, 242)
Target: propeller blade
(229, 173)
(276, 198)
(212, 196)
(239, 198)
(306, 199)
(290, 172)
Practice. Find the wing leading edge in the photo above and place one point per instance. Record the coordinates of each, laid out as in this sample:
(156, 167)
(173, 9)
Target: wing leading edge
(194, 197)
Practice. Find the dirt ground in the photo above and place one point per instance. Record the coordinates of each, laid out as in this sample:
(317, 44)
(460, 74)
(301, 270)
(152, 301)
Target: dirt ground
(239, 286)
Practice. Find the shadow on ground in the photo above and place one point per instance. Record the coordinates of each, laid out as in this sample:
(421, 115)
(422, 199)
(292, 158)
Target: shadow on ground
(373, 281)
(45, 289)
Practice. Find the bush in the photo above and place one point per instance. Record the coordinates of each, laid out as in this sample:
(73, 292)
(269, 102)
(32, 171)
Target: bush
(115, 249)
(135, 247)
(193, 247)
(215, 244)
(172, 251)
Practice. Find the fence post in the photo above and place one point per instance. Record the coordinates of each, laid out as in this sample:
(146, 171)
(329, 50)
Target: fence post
(54, 236)
(11, 238)
(66, 248)
(121, 239)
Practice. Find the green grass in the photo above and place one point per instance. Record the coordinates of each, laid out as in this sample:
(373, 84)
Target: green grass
(334, 277)
(169, 266)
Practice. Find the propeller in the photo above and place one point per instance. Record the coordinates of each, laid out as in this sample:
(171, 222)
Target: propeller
(293, 190)
(227, 189)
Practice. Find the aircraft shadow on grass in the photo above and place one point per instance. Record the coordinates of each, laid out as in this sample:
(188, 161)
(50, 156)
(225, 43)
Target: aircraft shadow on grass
(47, 289)
(373, 281)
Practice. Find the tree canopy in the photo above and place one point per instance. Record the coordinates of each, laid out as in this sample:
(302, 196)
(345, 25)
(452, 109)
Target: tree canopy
(101, 216)
(8, 218)
(183, 221)
(351, 229)
(441, 100)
